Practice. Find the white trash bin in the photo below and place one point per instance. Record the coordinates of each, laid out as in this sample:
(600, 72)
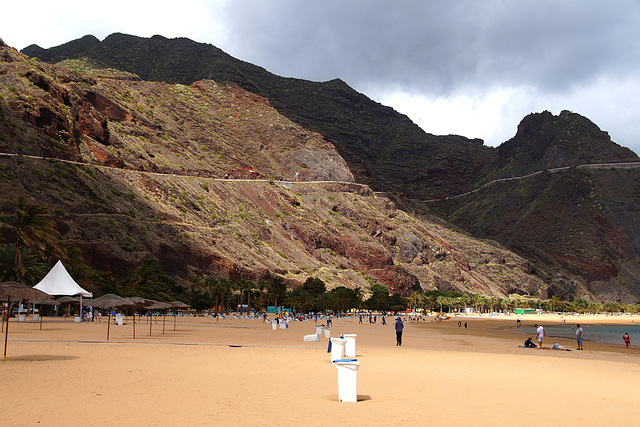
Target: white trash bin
(337, 348)
(20, 317)
(319, 330)
(347, 379)
(327, 332)
(36, 317)
(274, 326)
(119, 319)
(350, 346)
(312, 338)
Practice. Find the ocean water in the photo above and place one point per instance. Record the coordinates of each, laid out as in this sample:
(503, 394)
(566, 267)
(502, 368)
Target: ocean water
(611, 334)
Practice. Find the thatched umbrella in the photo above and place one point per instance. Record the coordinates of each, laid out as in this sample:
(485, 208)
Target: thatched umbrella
(17, 291)
(67, 300)
(44, 302)
(108, 302)
(159, 305)
(177, 304)
(138, 302)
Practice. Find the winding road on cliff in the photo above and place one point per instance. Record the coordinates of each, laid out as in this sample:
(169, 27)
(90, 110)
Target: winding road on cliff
(289, 184)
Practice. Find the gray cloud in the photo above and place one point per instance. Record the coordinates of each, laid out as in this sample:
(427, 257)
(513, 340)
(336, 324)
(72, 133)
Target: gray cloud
(440, 46)
(554, 50)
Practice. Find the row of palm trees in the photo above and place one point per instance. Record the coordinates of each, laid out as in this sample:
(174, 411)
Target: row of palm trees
(220, 292)
(223, 295)
(451, 301)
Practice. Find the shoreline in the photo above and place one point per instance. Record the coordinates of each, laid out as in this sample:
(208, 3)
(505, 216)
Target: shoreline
(504, 327)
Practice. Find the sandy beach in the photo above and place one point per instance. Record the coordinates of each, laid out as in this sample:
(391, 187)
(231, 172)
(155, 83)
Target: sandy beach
(210, 372)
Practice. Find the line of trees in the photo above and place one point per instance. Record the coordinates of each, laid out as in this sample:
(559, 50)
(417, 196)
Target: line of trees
(224, 295)
(449, 301)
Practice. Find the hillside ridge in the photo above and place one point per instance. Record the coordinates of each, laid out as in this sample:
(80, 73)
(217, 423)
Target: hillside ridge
(133, 170)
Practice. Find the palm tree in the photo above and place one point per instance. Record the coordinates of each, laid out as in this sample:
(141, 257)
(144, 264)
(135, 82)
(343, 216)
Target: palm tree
(359, 295)
(465, 299)
(248, 287)
(554, 300)
(242, 286)
(197, 283)
(212, 285)
(236, 288)
(36, 232)
(225, 290)
(263, 286)
(341, 298)
(278, 288)
(493, 301)
(31, 271)
(414, 297)
(427, 302)
(481, 302)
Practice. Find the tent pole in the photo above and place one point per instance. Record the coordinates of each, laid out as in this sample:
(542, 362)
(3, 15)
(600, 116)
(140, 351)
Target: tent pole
(108, 324)
(6, 330)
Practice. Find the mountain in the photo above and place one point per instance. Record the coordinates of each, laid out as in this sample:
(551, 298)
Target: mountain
(582, 223)
(545, 218)
(209, 179)
(383, 148)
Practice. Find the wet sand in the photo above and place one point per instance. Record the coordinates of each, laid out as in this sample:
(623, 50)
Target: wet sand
(238, 371)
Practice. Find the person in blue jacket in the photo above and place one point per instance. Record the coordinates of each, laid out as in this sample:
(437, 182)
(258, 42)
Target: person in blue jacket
(399, 327)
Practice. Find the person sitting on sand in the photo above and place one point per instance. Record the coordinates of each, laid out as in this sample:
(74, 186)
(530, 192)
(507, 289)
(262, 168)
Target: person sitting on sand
(529, 344)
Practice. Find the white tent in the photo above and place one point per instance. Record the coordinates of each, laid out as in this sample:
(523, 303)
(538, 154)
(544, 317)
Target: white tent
(59, 282)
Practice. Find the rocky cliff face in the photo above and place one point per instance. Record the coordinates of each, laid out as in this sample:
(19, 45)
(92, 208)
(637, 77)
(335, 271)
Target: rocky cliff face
(544, 141)
(133, 169)
(577, 225)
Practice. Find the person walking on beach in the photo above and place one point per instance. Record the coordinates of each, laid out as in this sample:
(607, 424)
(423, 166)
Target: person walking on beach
(627, 339)
(399, 327)
(540, 334)
(579, 337)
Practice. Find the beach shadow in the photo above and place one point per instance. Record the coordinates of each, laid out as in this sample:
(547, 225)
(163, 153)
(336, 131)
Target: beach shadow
(361, 398)
(39, 358)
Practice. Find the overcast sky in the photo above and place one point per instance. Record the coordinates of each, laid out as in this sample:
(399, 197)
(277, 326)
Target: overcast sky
(472, 68)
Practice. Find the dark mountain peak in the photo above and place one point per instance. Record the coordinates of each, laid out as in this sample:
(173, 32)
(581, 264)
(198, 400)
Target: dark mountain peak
(33, 50)
(544, 140)
(71, 50)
